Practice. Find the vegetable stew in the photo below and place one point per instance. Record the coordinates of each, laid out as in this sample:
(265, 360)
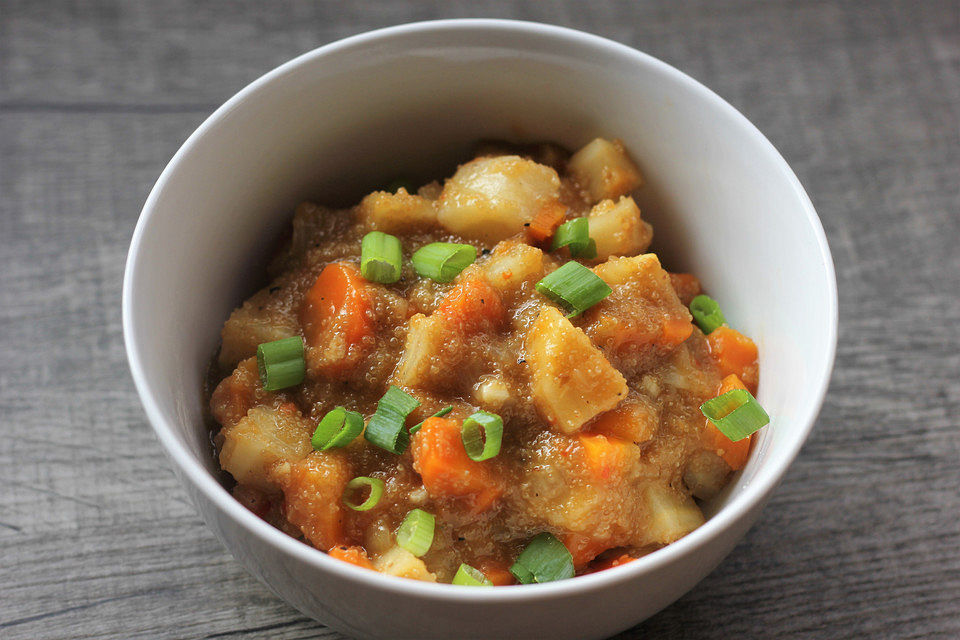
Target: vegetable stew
(484, 381)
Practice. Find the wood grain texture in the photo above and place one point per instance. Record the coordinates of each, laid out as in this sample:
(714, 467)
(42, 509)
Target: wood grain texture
(97, 539)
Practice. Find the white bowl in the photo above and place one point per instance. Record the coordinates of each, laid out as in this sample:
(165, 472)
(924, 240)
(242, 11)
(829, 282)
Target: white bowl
(410, 100)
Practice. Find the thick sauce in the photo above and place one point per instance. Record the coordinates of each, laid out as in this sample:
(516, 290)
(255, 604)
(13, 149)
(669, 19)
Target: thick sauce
(604, 445)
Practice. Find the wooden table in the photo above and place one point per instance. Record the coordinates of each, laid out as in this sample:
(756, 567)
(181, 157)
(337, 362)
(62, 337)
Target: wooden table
(97, 539)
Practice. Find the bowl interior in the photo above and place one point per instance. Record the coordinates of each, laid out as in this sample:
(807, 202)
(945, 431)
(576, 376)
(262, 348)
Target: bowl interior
(331, 127)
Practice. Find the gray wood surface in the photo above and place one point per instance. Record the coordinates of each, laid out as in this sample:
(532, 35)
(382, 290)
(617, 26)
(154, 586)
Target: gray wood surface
(97, 539)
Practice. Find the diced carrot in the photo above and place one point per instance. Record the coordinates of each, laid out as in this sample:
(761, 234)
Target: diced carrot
(353, 555)
(445, 467)
(583, 548)
(734, 453)
(604, 456)
(675, 331)
(735, 354)
(498, 574)
(471, 304)
(336, 314)
(630, 421)
(687, 287)
(611, 562)
(546, 221)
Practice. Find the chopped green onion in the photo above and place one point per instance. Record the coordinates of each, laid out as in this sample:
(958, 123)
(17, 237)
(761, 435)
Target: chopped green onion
(399, 183)
(544, 560)
(281, 363)
(416, 532)
(574, 286)
(481, 434)
(706, 313)
(438, 414)
(736, 413)
(386, 428)
(337, 429)
(442, 261)
(520, 573)
(361, 482)
(468, 576)
(575, 235)
(380, 257)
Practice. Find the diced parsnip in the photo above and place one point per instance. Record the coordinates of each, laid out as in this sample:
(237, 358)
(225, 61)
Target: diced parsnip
(705, 474)
(672, 514)
(312, 489)
(400, 562)
(636, 420)
(398, 212)
(258, 320)
(571, 379)
(492, 392)
(511, 264)
(262, 439)
(641, 317)
(419, 364)
(618, 229)
(604, 170)
(490, 199)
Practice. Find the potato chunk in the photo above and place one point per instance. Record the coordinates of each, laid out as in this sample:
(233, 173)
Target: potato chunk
(604, 170)
(489, 199)
(401, 563)
(618, 229)
(312, 488)
(398, 212)
(262, 439)
(571, 379)
(672, 514)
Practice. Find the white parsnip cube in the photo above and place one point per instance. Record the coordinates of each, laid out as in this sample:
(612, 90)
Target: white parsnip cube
(400, 562)
(258, 320)
(397, 212)
(618, 229)
(490, 199)
(419, 362)
(571, 379)
(511, 263)
(604, 170)
(672, 514)
(258, 441)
